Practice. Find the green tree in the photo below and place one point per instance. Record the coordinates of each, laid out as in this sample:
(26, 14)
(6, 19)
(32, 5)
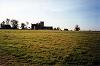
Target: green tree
(77, 28)
(14, 24)
(3, 25)
(23, 25)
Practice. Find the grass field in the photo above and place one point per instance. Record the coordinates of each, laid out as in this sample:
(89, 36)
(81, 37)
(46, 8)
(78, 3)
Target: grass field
(49, 48)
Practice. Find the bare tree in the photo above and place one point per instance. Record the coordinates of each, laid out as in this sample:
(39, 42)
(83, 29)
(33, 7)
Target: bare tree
(27, 23)
(7, 21)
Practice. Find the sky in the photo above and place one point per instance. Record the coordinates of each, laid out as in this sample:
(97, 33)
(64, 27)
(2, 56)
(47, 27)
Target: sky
(56, 13)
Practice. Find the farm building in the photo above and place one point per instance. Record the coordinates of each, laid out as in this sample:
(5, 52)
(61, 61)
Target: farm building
(40, 26)
(5, 26)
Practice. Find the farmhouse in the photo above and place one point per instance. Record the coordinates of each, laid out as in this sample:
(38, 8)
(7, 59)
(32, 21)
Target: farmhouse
(40, 26)
(5, 27)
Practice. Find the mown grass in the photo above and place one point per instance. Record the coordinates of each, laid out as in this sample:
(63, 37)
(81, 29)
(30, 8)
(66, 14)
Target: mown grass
(49, 48)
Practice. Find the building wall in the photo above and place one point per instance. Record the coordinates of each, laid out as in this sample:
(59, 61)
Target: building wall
(40, 26)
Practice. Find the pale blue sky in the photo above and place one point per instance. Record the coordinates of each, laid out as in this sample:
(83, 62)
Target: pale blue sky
(57, 13)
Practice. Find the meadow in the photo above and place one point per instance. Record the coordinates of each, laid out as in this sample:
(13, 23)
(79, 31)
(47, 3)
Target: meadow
(49, 48)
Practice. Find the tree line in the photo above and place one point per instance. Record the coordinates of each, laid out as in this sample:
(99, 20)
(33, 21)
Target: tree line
(13, 24)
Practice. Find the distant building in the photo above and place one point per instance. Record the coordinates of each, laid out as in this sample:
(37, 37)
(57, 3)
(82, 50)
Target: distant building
(5, 27)
(47, 28)
(41, 23)
(65, 29)
(40, 26)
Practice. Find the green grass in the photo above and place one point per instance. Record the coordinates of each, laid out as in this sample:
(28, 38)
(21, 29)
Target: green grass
(49, 48)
